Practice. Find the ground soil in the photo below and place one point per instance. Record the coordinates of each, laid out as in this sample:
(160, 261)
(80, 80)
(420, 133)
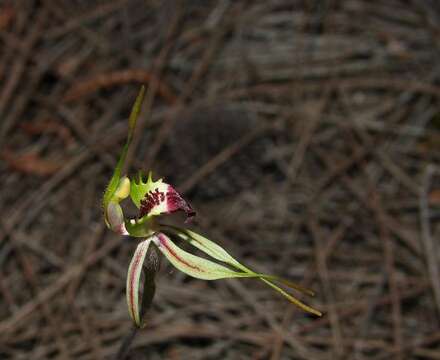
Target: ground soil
(306, 135)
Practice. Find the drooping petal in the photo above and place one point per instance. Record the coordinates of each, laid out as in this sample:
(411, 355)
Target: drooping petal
(292, 299)
(217, 252)
(192, 265)
(133, 278)
(156, 198)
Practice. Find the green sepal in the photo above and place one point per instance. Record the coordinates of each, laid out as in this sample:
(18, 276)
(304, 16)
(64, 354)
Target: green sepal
(112, 187)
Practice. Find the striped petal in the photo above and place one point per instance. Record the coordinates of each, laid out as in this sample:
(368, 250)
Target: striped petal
(133, 279)
(192, 265)
(217, 252)
(207, 246)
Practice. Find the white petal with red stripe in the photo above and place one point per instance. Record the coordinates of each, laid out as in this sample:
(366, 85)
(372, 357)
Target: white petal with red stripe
(133, 279)
(192, 265)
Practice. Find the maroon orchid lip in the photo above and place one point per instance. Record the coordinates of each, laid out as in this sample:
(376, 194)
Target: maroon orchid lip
(164, 199)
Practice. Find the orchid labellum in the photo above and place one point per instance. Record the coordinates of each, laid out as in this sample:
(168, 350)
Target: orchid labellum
(154, 198)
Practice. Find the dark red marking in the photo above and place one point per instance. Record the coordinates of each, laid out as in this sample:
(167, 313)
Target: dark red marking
(163, 241)
(151, 199)
(174, 203)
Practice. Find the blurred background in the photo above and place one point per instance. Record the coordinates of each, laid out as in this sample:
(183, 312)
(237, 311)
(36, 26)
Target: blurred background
(306, 135)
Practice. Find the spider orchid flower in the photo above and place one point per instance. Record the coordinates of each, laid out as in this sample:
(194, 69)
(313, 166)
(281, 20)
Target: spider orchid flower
(153, 198)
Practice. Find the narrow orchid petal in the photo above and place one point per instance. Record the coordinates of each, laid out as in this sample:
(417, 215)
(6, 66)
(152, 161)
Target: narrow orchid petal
(289, 284)
(156, 198)
(192, 265)
(293, 300)
(133, 278)
(217, 252)
(207, 246)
